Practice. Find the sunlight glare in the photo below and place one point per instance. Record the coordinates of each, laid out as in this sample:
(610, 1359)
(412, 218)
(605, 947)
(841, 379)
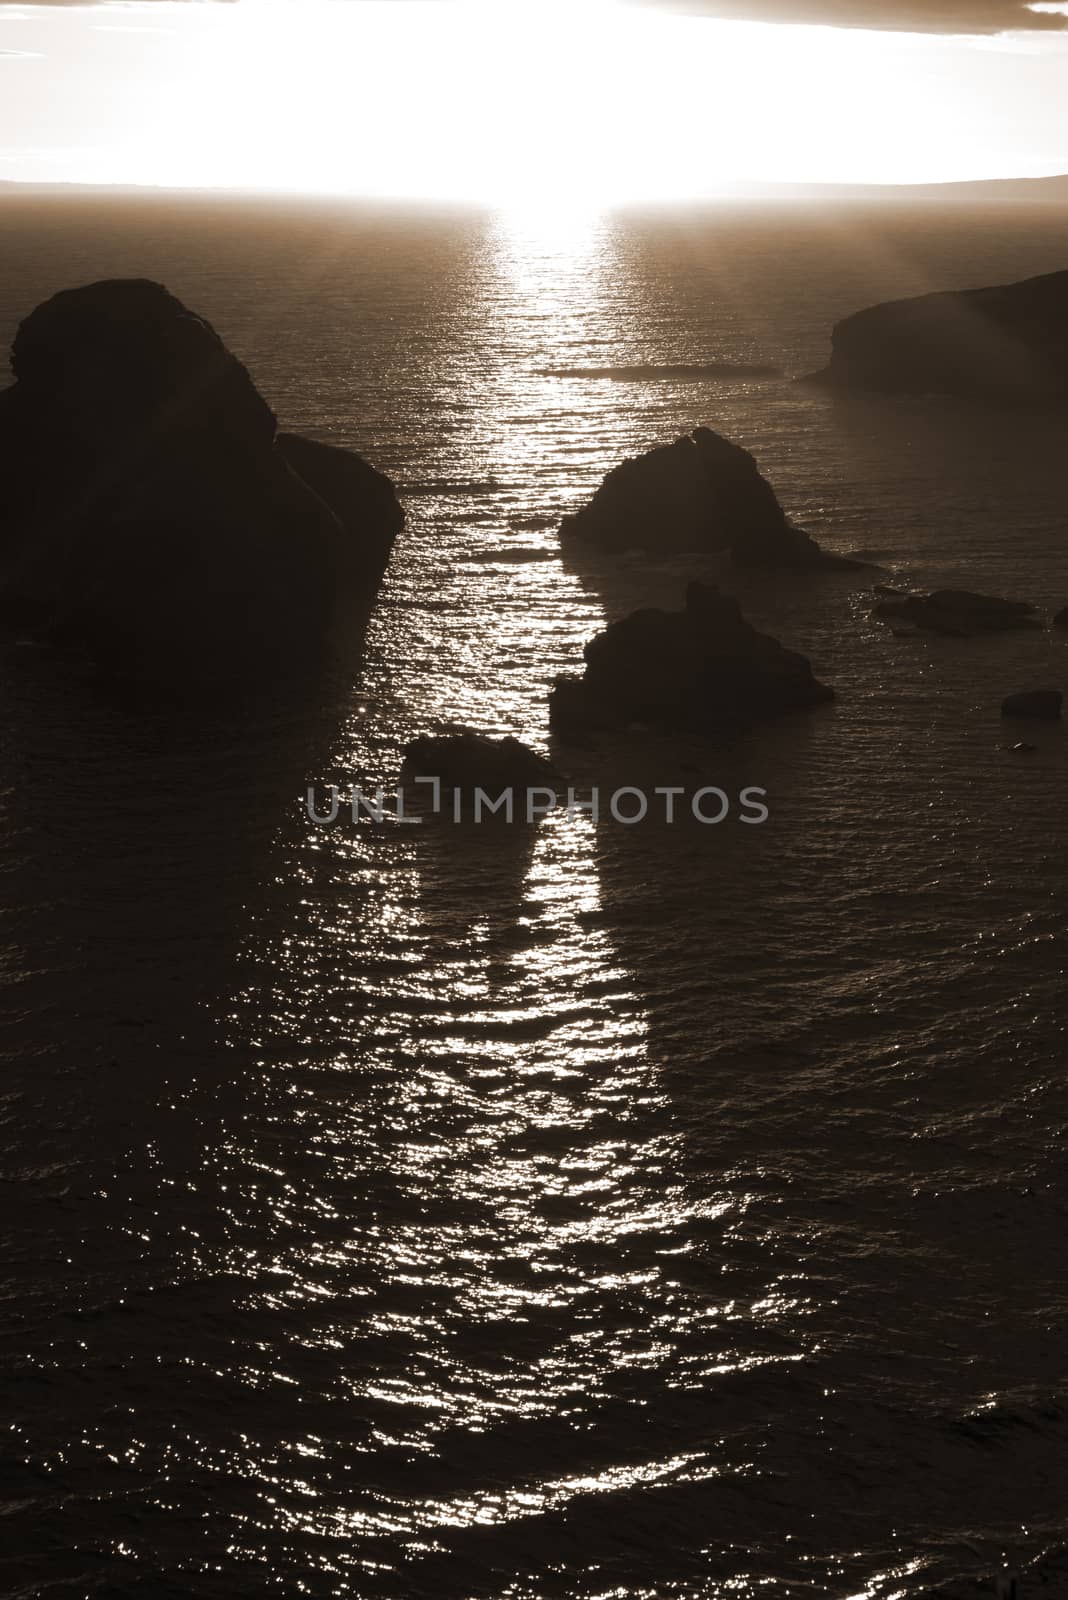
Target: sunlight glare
(548, 107)
(544, 106)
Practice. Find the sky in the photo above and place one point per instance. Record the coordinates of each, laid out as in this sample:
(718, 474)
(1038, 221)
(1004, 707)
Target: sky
(539, 101)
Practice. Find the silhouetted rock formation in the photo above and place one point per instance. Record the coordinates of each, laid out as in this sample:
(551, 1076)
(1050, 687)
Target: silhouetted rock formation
(474, 773)
(1007, 343)
(702, 670)
(151, 514)
(701, 494)
(1061, 619)
(1045, 704)
(362, 499)
(465, 759)
(956, 611)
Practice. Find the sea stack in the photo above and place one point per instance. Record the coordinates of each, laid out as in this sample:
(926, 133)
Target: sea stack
(704, 670)
(700, 495)
(152, 515)
(1007, 344)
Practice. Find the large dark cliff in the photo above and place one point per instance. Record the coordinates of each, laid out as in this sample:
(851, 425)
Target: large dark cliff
(151, 514)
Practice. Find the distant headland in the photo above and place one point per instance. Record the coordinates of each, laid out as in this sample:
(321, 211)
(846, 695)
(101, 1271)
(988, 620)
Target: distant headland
(1008, 343)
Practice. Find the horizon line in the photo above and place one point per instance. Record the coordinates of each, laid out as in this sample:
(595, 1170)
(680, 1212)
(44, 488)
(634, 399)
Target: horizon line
(732, 189)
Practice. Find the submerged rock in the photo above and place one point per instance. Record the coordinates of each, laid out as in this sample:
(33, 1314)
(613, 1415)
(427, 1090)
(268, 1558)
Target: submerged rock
(467, 761)
(702, 670)
(151, 514)
(1008, 343)
(701, 494)
(1044, 704)
(955, 611)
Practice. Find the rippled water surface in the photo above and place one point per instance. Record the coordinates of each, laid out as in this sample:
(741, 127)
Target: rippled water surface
(582, 1210)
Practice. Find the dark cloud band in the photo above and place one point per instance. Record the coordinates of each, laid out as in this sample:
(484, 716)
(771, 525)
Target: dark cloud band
(919, 16)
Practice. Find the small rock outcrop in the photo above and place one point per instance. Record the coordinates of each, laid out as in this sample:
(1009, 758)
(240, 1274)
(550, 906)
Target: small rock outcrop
(703, 670)
(957, 612)
(1043, 704)
(701, 494)
(1007, 344)
(150, 512)
(467, 761)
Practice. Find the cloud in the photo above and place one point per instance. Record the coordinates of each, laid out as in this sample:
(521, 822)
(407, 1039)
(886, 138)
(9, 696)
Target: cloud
(903, 16)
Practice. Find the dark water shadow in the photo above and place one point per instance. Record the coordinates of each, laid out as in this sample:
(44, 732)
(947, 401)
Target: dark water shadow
(472, 878)
(137, 846)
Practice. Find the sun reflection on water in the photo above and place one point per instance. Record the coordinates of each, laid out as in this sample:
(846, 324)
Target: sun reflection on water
(495, 1203)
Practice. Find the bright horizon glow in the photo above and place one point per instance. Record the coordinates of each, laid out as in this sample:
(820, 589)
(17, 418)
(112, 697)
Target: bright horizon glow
(542, 105)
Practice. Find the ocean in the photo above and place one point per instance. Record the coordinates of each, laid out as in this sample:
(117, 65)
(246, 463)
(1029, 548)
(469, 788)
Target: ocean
(591, 1210)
